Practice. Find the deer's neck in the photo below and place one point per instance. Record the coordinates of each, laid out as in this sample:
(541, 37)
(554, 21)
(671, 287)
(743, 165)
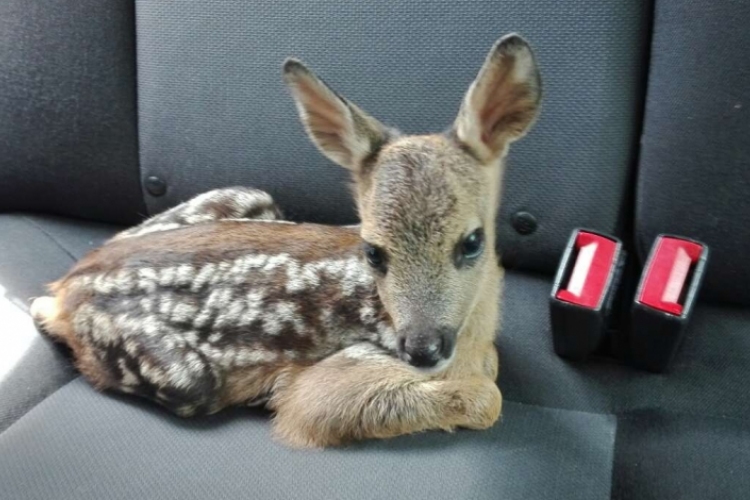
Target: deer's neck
(475, 351)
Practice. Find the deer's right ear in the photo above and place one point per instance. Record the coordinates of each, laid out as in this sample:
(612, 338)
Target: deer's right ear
(343, 132)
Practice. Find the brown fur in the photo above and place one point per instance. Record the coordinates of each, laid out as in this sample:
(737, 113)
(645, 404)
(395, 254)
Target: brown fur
(213, 242)
(197, 312)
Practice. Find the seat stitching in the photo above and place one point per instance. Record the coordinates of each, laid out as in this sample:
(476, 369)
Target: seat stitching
(52, 238)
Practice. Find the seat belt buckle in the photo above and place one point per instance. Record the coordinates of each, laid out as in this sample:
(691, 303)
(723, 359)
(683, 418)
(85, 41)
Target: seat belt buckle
(664, 300)
(585, 285)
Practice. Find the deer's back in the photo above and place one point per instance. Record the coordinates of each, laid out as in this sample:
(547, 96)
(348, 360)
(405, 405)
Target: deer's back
(219, 298)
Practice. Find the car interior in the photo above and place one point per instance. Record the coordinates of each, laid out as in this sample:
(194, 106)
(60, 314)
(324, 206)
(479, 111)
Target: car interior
(113, 111)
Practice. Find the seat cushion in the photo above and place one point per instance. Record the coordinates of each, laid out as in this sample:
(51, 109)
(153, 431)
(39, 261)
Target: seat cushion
(82, 445)
(682, 434)
(569, 431)
(34, 250)
(708, 375)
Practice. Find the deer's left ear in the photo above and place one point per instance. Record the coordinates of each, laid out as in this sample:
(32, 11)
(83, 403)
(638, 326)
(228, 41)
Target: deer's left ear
(502, 103)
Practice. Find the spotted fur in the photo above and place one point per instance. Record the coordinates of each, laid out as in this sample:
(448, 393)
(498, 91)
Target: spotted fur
(218, 302)
(174, 324)
(216, 205)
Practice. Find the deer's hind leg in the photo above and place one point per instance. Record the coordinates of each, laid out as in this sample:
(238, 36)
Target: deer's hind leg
(117, 352)
(224, 203)
(359, 393)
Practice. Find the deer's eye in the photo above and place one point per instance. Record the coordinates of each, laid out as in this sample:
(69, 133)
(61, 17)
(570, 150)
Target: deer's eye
(470, 247)
(376, 257)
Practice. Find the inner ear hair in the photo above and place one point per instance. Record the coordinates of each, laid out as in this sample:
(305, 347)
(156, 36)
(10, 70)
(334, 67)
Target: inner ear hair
(342, 131)
(503, 101)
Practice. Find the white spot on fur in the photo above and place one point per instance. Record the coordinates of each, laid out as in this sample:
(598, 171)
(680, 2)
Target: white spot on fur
(191, 338)
(304, 277)
(281, 313)
(276, 261)
(147, 279)
(259, 220)
(231, 314)
(103, 285)
(103, 329)
(363, 351)
(128, 377)
(151, 326)
(217, 300)
(253, 356)
(367, 314)
(82, 319)
(147, 304)
(203, 277)
(152, 373)
(253, 307)
(166, 303)
(184, 312)
(149, 228)
(355, 276)
(184, 275)
(166, 276)
(387, 336)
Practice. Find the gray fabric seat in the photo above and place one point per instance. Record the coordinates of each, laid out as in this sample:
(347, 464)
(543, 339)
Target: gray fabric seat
(536, 453)
(92, 128)
(569, 430)
(34, 250)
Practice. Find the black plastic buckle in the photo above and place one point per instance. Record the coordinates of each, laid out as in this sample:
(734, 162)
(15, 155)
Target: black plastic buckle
(664, 300)
(585, 286)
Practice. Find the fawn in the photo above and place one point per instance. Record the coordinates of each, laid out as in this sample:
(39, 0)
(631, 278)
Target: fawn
(346, 333)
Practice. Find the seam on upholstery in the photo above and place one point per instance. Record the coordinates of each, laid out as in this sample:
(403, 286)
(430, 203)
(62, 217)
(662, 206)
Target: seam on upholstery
(557, 408)
(54, 240)
(26, 413)
(625, 413)
(136, 89)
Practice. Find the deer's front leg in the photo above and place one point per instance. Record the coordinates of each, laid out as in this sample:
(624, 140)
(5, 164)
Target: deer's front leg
(360, 394)
(225, 203)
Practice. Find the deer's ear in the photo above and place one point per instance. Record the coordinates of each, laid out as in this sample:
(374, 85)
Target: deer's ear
(343, 132)
(502, 103)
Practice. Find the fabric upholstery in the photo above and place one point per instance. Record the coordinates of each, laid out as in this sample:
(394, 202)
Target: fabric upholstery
(213, 109)
(569, 431)
(707, 378)
(68, 140)
(695, 163)
(82, 445)
(34, 251)
(666, 455)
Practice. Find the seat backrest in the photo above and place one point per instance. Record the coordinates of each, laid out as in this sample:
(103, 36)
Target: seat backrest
(694, 174)
(68, 136)
(212, 110)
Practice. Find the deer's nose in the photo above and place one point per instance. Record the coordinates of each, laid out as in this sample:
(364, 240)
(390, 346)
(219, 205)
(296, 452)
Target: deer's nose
(424, 350)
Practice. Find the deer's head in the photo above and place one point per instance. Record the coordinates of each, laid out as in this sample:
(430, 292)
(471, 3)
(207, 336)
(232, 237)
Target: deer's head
(428, 203)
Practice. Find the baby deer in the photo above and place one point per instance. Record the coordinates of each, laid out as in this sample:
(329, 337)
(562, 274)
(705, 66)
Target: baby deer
(346, 333)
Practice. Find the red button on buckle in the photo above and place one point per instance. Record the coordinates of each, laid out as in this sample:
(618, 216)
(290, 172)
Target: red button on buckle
(585, 287)
(667, 274)
(591, 271)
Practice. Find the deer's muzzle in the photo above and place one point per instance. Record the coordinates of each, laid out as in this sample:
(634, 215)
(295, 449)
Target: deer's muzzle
(425, 347)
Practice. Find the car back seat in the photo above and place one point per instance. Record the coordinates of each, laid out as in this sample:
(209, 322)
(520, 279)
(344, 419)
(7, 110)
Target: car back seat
(211, 110)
